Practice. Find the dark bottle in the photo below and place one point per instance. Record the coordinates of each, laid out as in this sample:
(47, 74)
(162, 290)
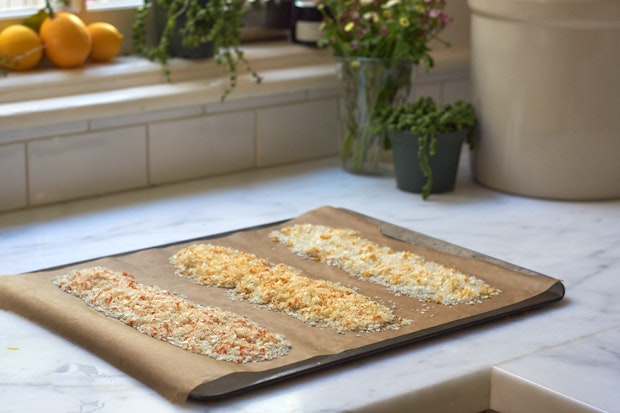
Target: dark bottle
(306, 23)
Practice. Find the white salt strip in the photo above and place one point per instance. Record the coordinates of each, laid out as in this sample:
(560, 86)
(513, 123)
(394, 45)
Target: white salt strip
(402, 272)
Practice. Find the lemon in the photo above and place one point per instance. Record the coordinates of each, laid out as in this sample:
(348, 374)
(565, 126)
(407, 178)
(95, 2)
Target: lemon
(67, 41)
(20, 47)
(106, 41)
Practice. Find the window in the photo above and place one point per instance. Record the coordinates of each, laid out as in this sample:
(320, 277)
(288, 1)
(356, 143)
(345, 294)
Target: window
(12, 11)
(120, 13)
(9, 4)
(18, 9)
(20, 4)
(26, 6)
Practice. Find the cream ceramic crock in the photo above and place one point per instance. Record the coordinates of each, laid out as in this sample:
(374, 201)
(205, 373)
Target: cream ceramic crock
(546, 85)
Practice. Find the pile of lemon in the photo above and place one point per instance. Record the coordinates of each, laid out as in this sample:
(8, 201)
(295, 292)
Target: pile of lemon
(62, 38)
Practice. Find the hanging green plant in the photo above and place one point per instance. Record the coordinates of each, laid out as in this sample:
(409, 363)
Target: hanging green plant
(198, 22)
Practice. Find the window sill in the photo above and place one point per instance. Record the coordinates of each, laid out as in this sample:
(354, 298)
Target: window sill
(133, 85)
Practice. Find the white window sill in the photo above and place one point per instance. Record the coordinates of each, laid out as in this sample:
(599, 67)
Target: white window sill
(133, 85)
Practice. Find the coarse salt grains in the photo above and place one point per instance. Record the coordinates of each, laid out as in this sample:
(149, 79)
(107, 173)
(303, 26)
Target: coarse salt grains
(211, 331)
(402, 272)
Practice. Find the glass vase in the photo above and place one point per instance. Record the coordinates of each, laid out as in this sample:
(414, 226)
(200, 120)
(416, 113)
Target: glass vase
(367, 86)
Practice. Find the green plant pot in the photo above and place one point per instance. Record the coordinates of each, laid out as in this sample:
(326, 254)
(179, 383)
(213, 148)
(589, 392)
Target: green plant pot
(176, 47)
(444, 164)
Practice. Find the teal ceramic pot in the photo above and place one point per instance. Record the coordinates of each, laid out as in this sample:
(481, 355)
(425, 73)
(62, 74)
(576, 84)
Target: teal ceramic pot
(444, 164)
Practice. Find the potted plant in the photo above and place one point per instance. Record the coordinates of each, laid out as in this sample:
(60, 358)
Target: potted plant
(427, 139)
(378, 43)
(187, 25)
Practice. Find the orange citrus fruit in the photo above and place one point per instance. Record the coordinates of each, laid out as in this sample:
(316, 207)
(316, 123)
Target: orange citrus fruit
(66, 39)
(20, 47)
(106, 41)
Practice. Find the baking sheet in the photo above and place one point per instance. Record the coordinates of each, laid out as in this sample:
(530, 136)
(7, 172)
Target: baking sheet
(179, 374)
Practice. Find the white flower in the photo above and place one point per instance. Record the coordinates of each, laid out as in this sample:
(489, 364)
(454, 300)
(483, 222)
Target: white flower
(391, 3)
(371, 16)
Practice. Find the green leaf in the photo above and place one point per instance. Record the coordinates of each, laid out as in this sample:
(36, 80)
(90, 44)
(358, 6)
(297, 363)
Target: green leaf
(36, 20)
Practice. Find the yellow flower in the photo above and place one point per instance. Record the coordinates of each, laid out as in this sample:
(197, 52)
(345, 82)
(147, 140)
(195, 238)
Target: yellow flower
(404, 21)
(355, 63)
(349, 26)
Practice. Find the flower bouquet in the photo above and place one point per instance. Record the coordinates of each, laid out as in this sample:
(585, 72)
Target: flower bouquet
(378, 44)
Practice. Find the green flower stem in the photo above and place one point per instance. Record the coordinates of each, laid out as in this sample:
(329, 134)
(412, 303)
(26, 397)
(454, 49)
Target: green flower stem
(368, 86)
(50, 10)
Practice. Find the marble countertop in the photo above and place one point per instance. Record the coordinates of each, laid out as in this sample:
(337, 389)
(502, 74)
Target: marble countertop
(569, 351)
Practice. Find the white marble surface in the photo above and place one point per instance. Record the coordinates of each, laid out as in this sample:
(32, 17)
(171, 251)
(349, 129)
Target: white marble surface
(571, 348)
(595, 361)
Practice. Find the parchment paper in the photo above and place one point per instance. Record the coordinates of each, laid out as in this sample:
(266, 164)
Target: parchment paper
(176, 373)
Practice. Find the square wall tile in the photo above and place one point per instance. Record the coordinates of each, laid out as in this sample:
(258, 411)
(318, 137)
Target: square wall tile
(203, 146)
(13, 193)
(83, 165)
(297, 132)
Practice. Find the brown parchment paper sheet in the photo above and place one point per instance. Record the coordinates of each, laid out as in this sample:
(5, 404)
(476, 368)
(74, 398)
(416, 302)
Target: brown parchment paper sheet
(174, 372)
